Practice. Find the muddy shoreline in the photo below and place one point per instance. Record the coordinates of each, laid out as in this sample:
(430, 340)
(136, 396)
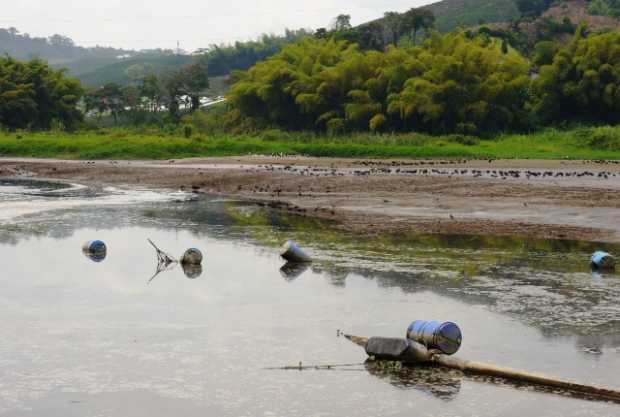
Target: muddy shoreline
(576, 200)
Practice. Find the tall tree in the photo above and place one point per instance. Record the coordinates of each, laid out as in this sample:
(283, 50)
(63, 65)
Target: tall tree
(33, 95)
(152, 90)
(342, 22)
(195, 83)
(416, 20)
(392, 27)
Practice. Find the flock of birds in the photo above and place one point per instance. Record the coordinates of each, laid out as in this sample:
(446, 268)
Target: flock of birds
(427, 171)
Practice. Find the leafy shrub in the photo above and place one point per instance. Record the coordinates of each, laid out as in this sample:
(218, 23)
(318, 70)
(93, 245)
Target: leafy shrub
(33, 95)
(274, 135)
(187, 131)
(602, 138)
(464, 140)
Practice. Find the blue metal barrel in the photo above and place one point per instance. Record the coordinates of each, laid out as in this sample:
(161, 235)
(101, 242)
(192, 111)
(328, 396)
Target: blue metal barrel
(446, 337)
(603, 260)
(95, 250)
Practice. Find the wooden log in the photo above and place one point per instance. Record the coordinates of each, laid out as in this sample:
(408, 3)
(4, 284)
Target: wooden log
(502, 372)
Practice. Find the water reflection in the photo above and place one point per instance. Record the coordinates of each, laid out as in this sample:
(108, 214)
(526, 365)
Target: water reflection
(192, 271)
(546, 284)
(292, 270)
(444, 384)
(96, 256)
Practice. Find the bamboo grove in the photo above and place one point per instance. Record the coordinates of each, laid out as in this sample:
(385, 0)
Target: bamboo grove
(454, 83)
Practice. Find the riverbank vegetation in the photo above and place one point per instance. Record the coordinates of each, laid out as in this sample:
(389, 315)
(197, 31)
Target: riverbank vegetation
(391, 88)
(576, 143)
(457, 83)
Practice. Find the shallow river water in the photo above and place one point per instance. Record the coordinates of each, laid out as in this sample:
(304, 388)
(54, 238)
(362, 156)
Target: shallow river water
(81, 338)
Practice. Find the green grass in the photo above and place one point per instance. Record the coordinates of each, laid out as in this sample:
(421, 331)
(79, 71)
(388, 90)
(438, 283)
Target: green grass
(578, 143)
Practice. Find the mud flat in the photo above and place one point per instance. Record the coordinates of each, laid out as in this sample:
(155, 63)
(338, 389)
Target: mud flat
(576, 200)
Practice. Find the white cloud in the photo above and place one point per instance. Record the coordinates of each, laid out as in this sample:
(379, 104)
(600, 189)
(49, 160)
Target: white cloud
(195, 23)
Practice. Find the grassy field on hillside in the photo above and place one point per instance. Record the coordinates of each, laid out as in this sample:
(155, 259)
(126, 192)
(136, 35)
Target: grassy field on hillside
(578, 143)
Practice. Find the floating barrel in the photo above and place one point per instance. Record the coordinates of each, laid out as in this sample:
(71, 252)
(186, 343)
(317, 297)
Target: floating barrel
(192, 257)
(294, 254)
(95, 250)
(446, 337)
(603, 260)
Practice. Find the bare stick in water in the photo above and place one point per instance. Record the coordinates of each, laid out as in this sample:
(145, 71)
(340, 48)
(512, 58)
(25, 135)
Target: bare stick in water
(162, 256)
(163, 261)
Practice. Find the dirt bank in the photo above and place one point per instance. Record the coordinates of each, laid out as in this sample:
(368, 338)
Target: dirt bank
(543, 199)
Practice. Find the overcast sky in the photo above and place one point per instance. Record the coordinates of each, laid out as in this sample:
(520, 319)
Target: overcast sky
(140, 24)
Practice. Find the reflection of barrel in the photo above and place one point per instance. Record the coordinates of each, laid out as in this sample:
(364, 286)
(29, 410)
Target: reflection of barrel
(291, 271)
(439, 382)
(95, 250)
(192, 271)
(446, 337)
(603, 260)
(293, 253)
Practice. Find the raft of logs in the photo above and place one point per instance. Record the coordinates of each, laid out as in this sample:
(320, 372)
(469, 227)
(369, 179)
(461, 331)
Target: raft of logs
(410, 352)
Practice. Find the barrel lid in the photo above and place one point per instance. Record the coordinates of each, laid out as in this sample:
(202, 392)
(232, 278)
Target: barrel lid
(449, 338)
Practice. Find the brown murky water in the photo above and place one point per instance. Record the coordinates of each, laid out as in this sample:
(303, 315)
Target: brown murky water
(80, 338)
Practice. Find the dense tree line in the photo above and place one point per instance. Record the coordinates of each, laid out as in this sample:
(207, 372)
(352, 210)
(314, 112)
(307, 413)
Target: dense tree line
(150, 95)
(583, 80)
(533, 7)
(459, 82)
(223, 59)
(450, 83)
(35, 96)
(381, 33)
(609, 8)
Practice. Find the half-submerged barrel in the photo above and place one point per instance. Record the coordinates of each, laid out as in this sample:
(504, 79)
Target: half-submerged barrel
(95, 250)
(446, 337)
(603, 260)
(294, 254)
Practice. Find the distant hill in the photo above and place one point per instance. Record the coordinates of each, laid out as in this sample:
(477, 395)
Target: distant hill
(558, 24)
(120, 70)
(450, 14)
(93, 66)
(56, 49)
(98, 66)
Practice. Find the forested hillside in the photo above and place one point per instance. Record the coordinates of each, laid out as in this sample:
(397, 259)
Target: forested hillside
(124, 71)
(450, 14)
(56, 49)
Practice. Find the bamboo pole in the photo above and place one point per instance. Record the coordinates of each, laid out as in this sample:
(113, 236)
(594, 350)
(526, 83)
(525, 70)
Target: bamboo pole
(479, 368)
